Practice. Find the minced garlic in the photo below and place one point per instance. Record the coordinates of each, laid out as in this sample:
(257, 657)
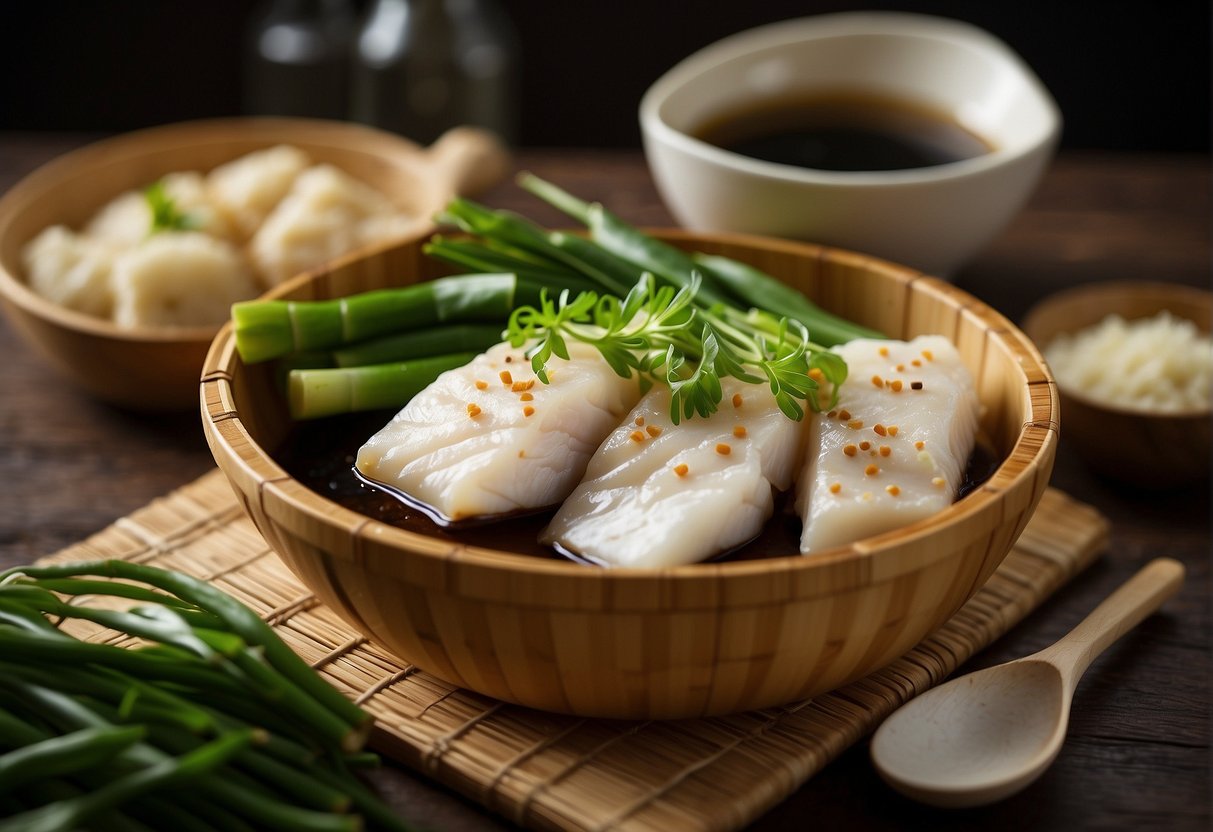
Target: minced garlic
(1161, 364)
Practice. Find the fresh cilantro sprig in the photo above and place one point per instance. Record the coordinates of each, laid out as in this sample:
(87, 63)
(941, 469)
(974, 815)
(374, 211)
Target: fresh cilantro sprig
(657, 333)
(165, 214)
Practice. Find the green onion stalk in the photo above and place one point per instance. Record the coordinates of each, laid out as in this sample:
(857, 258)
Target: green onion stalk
(212, 724)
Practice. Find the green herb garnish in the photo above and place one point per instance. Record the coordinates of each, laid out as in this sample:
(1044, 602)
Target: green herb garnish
(658, 333)
(165, 214)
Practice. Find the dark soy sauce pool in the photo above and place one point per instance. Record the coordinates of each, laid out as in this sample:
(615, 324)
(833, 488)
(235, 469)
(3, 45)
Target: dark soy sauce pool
(320, 454)
(844, 131)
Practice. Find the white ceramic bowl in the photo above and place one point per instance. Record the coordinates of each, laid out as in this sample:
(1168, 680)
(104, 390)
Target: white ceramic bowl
(931, 218)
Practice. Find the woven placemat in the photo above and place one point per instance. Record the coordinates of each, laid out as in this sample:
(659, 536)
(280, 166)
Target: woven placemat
(547, 771)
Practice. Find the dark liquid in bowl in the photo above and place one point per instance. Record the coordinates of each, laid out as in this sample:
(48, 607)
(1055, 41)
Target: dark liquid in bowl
(844, 131)
(320, 454)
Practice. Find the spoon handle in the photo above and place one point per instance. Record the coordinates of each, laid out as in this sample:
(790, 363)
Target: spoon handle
(1120, 612)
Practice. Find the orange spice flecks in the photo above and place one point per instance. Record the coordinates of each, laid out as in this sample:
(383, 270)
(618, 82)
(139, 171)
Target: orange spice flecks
(653, 431)
(723, 449)
(831, 414)
(879, 429)
(864, 445)
(916, 363)
(877, 381)
(481, 384)
(636, 436)
(522, 454)
(892, 429)
(526, 397)
(919, 445)
(737, 400)
(928, 355)
(939, 482)
(505, 377)
(892, 489)
(855, 424)
(871, 470)
(528, 411)
(520, 386)
(884, 352)
(896, 385)
(835, 487)
(681, 469)
(844, 415)
(849, 450)
(885, 450)
(473, 410)
(739, 431)
(901, 368)
(639, 421)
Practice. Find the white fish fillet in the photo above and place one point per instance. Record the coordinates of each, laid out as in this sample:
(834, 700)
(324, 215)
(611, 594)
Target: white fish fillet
(634, 508)
(501, 459)
(843, 497)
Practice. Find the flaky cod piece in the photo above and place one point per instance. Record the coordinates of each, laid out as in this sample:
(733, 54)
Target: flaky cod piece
(70, 270)
(247, 189)
(895, 449)
(489, 439)
(658, 494)
(327, 213)
(126, 221)
(179, 278)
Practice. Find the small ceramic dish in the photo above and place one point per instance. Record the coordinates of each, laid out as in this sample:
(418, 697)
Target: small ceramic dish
(931, 218)
(1153, 450)
(158, 368)
(688, 641)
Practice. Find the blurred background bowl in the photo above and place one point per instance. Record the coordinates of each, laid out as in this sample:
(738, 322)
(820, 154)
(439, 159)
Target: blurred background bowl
(1131, 446)
(157, 369)
(931, 218)
(656, 643)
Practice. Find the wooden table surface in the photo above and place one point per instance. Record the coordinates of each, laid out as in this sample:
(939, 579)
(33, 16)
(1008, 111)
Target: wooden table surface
(1138, 752)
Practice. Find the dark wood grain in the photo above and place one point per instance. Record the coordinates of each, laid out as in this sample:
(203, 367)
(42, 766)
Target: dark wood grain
(1138, 754)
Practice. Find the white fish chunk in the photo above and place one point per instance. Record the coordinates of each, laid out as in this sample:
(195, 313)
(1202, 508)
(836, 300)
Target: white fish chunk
(488, 438)
(248, 188)
(657, 494)
(179, 278)
(71, 270)
(895, 450)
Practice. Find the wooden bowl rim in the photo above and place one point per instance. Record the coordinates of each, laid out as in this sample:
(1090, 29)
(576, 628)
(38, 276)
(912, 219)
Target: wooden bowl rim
(1096, 294)
(1010, 473)
(177, 135)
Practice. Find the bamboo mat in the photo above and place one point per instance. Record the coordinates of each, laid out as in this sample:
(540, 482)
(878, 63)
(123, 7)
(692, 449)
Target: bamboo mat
(547, 771)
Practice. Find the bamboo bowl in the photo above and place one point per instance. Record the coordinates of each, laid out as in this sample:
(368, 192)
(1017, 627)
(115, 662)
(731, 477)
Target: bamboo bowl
(1133, 447)
(642, 643)
(158, 368)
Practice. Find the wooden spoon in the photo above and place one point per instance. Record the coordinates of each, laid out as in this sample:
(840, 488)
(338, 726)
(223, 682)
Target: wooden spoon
(985, 736)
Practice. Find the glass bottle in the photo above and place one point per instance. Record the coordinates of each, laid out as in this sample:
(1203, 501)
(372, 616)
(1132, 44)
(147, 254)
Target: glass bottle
(424, 66)
(297, 58)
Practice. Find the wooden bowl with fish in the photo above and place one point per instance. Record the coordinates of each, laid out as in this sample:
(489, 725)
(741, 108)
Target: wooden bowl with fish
(489, 608)
(127, 313)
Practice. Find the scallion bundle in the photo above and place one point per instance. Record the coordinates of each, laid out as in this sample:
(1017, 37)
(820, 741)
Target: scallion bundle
(213, 723)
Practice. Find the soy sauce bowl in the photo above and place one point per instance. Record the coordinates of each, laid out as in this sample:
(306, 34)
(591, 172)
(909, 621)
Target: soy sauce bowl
(932, 218)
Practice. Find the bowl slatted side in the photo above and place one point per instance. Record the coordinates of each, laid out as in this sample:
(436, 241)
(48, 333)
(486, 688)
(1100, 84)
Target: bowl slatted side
(688, 641)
